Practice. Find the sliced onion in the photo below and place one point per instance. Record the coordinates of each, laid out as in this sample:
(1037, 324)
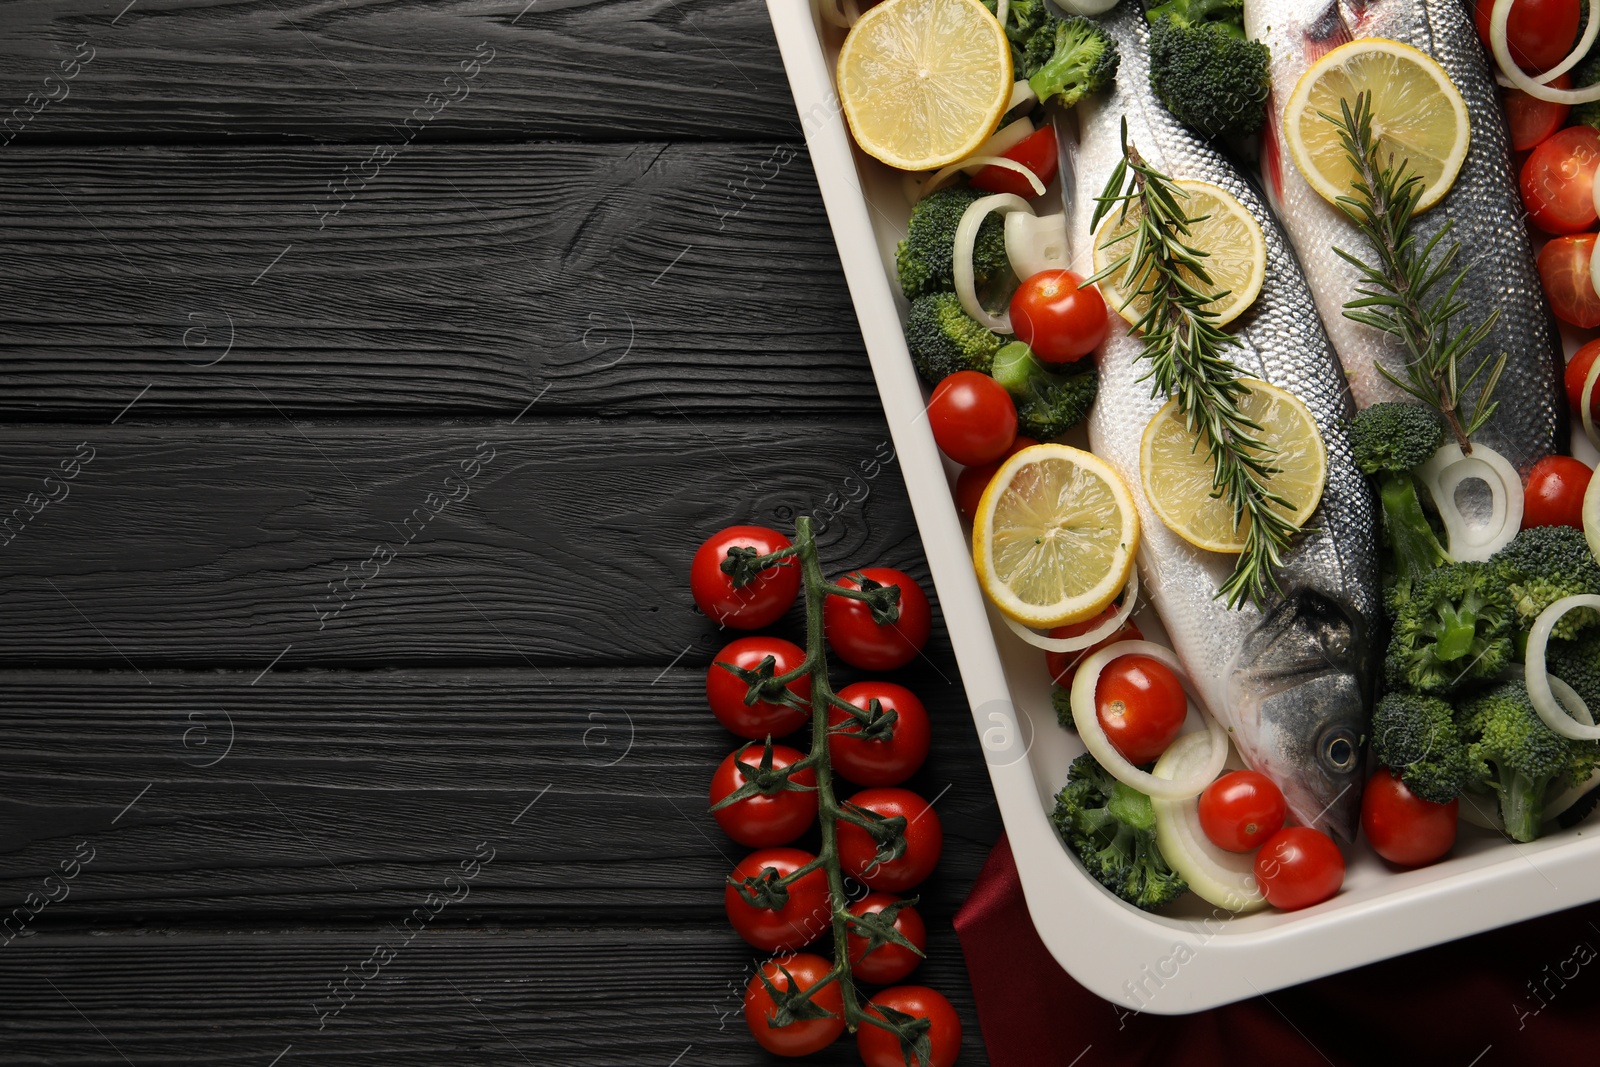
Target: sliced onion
(980, 162)
(1130, 598)
(1116, 764)
(1561, 803)
(1512, 74)
(1001, 9)
(966, 236)
(1038, 242)
(845, 19)
(1217, 876)
(1540, 682)
(1591, 515)
(1086, 7)
(1022, 93)
(1008, 136)
(1445, 472)
(1586, 409)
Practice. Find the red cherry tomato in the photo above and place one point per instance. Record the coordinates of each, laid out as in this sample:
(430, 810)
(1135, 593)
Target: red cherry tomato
(880, 1048)
(973, 418)
(972, 481)
(1577, 370)
(1558, 181)
(1141, 705)
(760, 820)
(1037, 152)
(1401, 826)
(760, 603)
(1539, 33)
(725, 691)
(1063, 666)
(800, 920)
(1554, 494)
(881, 760)
(1532, 121)
(804, 1036)
(860, 641)
(1299, 867)
(1241, 810)
(923, 834)
(1060, 319)
(1564, 270)
(888, 962)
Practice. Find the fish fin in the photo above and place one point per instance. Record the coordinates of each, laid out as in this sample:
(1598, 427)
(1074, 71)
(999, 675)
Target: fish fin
(1272, 156)
(1328, 31)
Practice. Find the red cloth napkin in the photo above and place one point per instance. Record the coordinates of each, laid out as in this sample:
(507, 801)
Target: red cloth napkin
(1523, 994)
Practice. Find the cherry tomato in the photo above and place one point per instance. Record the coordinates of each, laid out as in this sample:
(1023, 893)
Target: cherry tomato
(760, 603)
(1532, 120)
(973, 418)
(1558, 180)
(1141, 705)
(888, 962)
(881, 760)
(1401, 826)
(1060, 319)
(760, 820)
(972, 481)
(1577, 370)
(1037, 152)
(804, 1036)
(1539, 33)
(1554, 494)
(1564, 269)
(923, 834)
(1299, 867)
(1063, 666)
(863, 643)
(725, 691)
(1241, 810)
(880, 1048)
(803, 918)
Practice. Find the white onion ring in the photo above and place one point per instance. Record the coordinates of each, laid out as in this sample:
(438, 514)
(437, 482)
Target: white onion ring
(1100, 746)
(1540, 682)
(1130, 597)
(1008, 136)
(942, 176)
(966, 236)
(1226, 879)
(1022, 93)
(1513, 74)
(1590, 532)
(1036, 243)
(1586, 408)
(1446, 470)
(1002, 8)
(1086, 7)
(844, 20)
(1574, 57)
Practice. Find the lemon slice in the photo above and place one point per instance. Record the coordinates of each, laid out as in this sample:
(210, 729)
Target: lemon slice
(1417, 114)
(1226, 231)
(1177, 471)
(924, 83)
(1055, 536)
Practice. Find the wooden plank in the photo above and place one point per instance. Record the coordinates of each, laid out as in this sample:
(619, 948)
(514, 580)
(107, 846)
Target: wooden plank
(598, 278)
(228, 70)
(357, 793)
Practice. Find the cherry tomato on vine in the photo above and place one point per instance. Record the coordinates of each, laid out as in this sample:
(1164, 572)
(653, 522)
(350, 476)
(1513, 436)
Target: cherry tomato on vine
(1539, 33)
(973, 418)
(1063, 666)
(1037, 152)
(803, 918)
(1564, 270)
(725, 691)
(760, 603)
(1577, 370)
(1241, 810)
(880, 1048)
(1299, 867)
(1532, 121)
(923, 837)
(972, 481)
(1558, 180)
(1402, 827)
(1554, 494)
(1058, 316)
(1141, 705)
(759, 819)
(888, 962)
(880, 760)
(805, 1036)
(863, 643)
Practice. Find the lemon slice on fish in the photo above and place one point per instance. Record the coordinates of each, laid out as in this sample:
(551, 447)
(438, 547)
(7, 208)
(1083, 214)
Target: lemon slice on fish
(1177, 471)
(1226, 231)
(1417, 115)
(1054, 536)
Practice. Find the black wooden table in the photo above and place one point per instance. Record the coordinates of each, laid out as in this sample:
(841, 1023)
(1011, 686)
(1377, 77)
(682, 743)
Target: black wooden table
(370, 373)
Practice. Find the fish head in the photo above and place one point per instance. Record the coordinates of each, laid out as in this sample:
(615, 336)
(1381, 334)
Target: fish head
(1299, 695)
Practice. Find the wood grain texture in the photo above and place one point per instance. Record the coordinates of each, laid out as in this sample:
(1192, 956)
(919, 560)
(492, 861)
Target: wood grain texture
(232, 70)
(462, 279)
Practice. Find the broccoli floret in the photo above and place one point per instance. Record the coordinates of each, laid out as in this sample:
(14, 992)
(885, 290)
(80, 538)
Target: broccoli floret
(1585, 74)
(1519, 757)
(1022, 22)
(1577, 662)
(1388, 441)
(1540, 566)
(1203, 68)
(1069, 59)
(1453, 628)
(1112, 829)
(925, 259)
(1415, 736)
(1048, 404)
(1061, 700)
(944, 339)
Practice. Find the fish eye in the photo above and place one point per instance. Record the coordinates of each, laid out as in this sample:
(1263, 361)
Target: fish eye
(1338, 749)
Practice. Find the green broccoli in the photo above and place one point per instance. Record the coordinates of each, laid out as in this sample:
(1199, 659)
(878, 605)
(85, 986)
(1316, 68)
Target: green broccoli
(1388, 441)
(1203, 68)
(1022, 22)
(925, 259)
(1519, 757)
(1540, 566)
(1577, 662)
(1585, 74)
(1112, 828)
(1453, 628)
(1415, 736)
(944, 339)
(1069, 59)
(1048, 404)
(1061, 701)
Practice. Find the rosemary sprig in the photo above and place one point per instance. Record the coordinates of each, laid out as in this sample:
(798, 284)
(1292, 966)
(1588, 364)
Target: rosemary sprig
(1409, 293)
(1184, 346)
